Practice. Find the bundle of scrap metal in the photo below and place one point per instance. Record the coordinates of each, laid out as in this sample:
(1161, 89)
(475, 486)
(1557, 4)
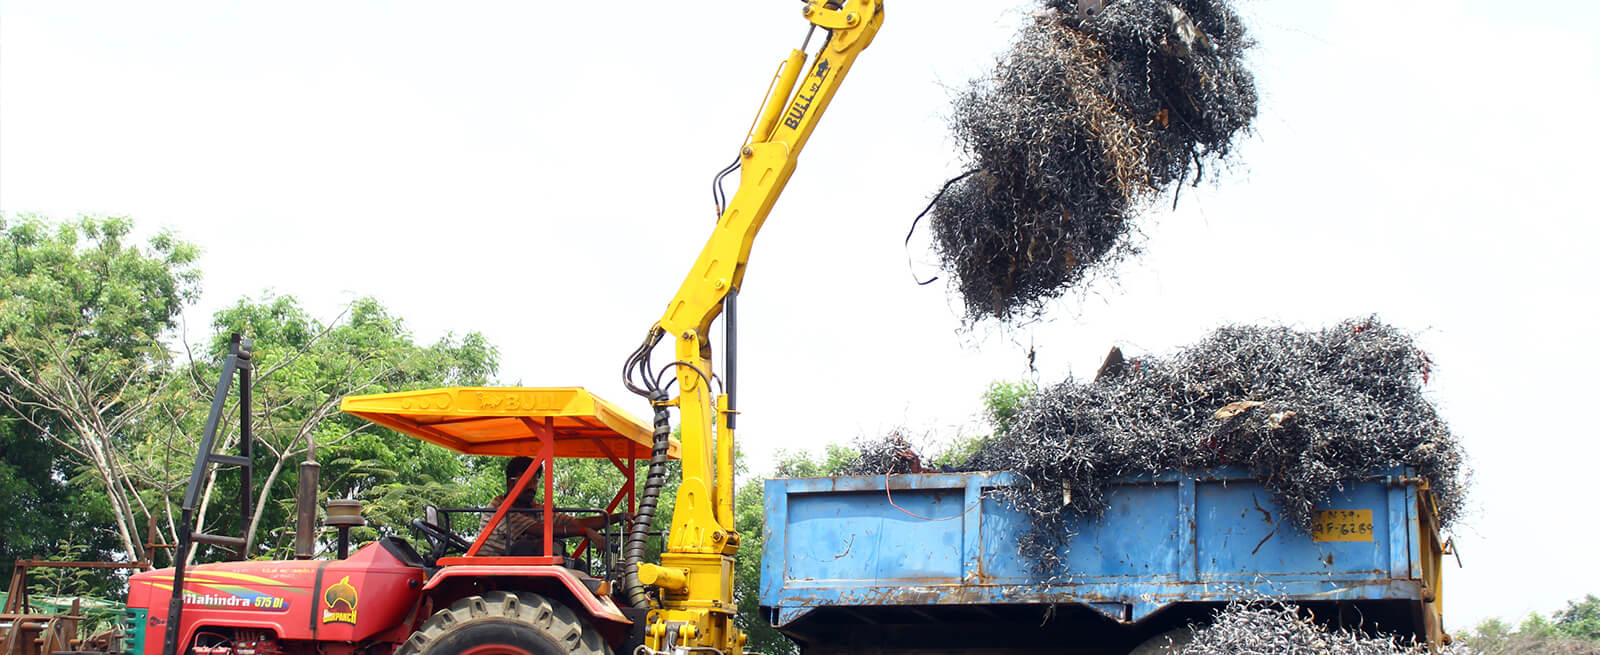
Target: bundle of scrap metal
(1268, 627)
(892, 454)
(1305, 411)
(1098, 107)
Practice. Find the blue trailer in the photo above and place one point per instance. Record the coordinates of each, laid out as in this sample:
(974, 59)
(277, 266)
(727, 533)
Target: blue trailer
(927, 563)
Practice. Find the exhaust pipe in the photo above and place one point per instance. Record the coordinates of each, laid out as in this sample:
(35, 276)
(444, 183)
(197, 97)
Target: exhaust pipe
(305, 509)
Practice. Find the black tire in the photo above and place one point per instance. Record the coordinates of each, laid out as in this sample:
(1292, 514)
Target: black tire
(505, 623)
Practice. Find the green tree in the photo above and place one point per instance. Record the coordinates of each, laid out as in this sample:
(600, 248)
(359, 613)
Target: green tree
(1580, 618)
(1003, 400)
(62, 582)
(44, 508)
(83, 310)
(304, 368)
(800, 464)
(1567, 632)
(587, 482)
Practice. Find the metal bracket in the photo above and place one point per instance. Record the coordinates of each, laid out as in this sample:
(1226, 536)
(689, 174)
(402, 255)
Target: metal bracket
(818, 12)
(844, 19)
(1449, 548)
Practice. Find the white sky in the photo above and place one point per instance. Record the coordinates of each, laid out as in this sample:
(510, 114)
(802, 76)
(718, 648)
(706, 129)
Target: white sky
(540, 173)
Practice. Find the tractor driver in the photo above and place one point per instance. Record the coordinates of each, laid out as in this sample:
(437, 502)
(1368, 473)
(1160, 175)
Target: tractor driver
(522, 534)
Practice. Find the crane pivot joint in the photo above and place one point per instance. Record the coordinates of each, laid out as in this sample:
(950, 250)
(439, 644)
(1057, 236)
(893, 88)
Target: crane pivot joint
(663, 577)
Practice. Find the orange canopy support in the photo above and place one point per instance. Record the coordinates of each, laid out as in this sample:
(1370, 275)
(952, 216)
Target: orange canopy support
(507, 421)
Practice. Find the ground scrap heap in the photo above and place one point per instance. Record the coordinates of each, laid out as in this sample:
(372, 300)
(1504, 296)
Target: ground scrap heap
(1261, 626)
(1094, 111)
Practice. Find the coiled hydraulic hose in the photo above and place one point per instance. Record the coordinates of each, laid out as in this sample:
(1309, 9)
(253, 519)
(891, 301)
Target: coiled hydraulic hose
(655, 478)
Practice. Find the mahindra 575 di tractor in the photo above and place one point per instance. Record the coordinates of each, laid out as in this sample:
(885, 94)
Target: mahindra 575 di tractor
(555, 591)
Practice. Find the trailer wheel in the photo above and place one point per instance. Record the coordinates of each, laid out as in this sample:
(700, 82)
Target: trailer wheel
(1170, 642)
(504, 623)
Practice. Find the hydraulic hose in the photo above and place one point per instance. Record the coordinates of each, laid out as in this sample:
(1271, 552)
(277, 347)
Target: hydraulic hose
(655, 478)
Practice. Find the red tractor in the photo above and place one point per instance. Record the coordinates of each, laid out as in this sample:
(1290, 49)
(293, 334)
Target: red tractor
(387, 597)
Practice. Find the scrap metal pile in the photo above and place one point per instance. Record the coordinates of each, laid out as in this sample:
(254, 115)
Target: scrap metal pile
(1092, 113)
(1268, 627)
(1305, 411)
(893, 454)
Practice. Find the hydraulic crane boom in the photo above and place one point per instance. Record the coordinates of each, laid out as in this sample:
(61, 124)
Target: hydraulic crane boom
(695, 576)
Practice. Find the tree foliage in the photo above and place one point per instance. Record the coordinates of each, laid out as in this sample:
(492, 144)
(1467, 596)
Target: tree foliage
(1002, 400)
(800, 464)
(83, 310)
(102, 420)
(1581, 618)
(304, 368)
(1575, 630)
(44, 509)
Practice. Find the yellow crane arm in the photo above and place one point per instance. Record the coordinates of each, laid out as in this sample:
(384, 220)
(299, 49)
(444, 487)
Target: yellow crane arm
(696, 572)
(767, 161)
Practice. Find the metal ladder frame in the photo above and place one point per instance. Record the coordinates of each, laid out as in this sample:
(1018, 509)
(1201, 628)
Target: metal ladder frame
(238, 361)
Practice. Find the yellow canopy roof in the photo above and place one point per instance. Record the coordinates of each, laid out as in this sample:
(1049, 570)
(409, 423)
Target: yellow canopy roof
(507, 421)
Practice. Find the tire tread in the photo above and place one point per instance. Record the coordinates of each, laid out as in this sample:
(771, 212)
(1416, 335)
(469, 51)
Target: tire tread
(557, 621)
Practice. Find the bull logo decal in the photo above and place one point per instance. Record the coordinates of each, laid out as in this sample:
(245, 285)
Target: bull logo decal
(340, 601)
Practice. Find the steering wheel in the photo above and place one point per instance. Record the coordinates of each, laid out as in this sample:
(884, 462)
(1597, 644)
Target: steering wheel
(439, 539)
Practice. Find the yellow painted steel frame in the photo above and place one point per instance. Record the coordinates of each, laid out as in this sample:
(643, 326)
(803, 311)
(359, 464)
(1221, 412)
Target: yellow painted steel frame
(696, 572)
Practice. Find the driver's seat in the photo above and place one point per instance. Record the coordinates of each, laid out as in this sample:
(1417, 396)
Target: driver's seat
(434, 528)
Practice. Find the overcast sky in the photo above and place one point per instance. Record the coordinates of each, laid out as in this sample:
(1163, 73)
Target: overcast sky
(540, 173)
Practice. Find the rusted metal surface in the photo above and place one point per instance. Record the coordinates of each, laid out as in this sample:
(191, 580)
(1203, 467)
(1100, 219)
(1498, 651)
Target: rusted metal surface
(17, 589)
(25, 632)
(1165, 541)
(43, 563)
(39, 634)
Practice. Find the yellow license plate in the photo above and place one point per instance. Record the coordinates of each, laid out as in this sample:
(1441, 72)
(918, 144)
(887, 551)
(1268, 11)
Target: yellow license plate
(1342, 525)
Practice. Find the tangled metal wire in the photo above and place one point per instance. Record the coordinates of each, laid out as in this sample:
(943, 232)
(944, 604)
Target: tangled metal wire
(1254, 626)
(1305, 411)
(1086, 118)
(893, 453)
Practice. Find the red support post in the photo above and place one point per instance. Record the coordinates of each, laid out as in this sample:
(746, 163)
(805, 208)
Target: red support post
(494, 521)
(547, 458)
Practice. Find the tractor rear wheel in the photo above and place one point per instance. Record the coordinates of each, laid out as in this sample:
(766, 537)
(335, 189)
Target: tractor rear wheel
(505, 623)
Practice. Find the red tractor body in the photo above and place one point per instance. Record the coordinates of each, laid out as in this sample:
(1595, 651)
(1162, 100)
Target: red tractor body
(353, 600)
(385, 597)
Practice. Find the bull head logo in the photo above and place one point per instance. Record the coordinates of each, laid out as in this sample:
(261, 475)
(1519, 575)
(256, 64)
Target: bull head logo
(340, 599)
